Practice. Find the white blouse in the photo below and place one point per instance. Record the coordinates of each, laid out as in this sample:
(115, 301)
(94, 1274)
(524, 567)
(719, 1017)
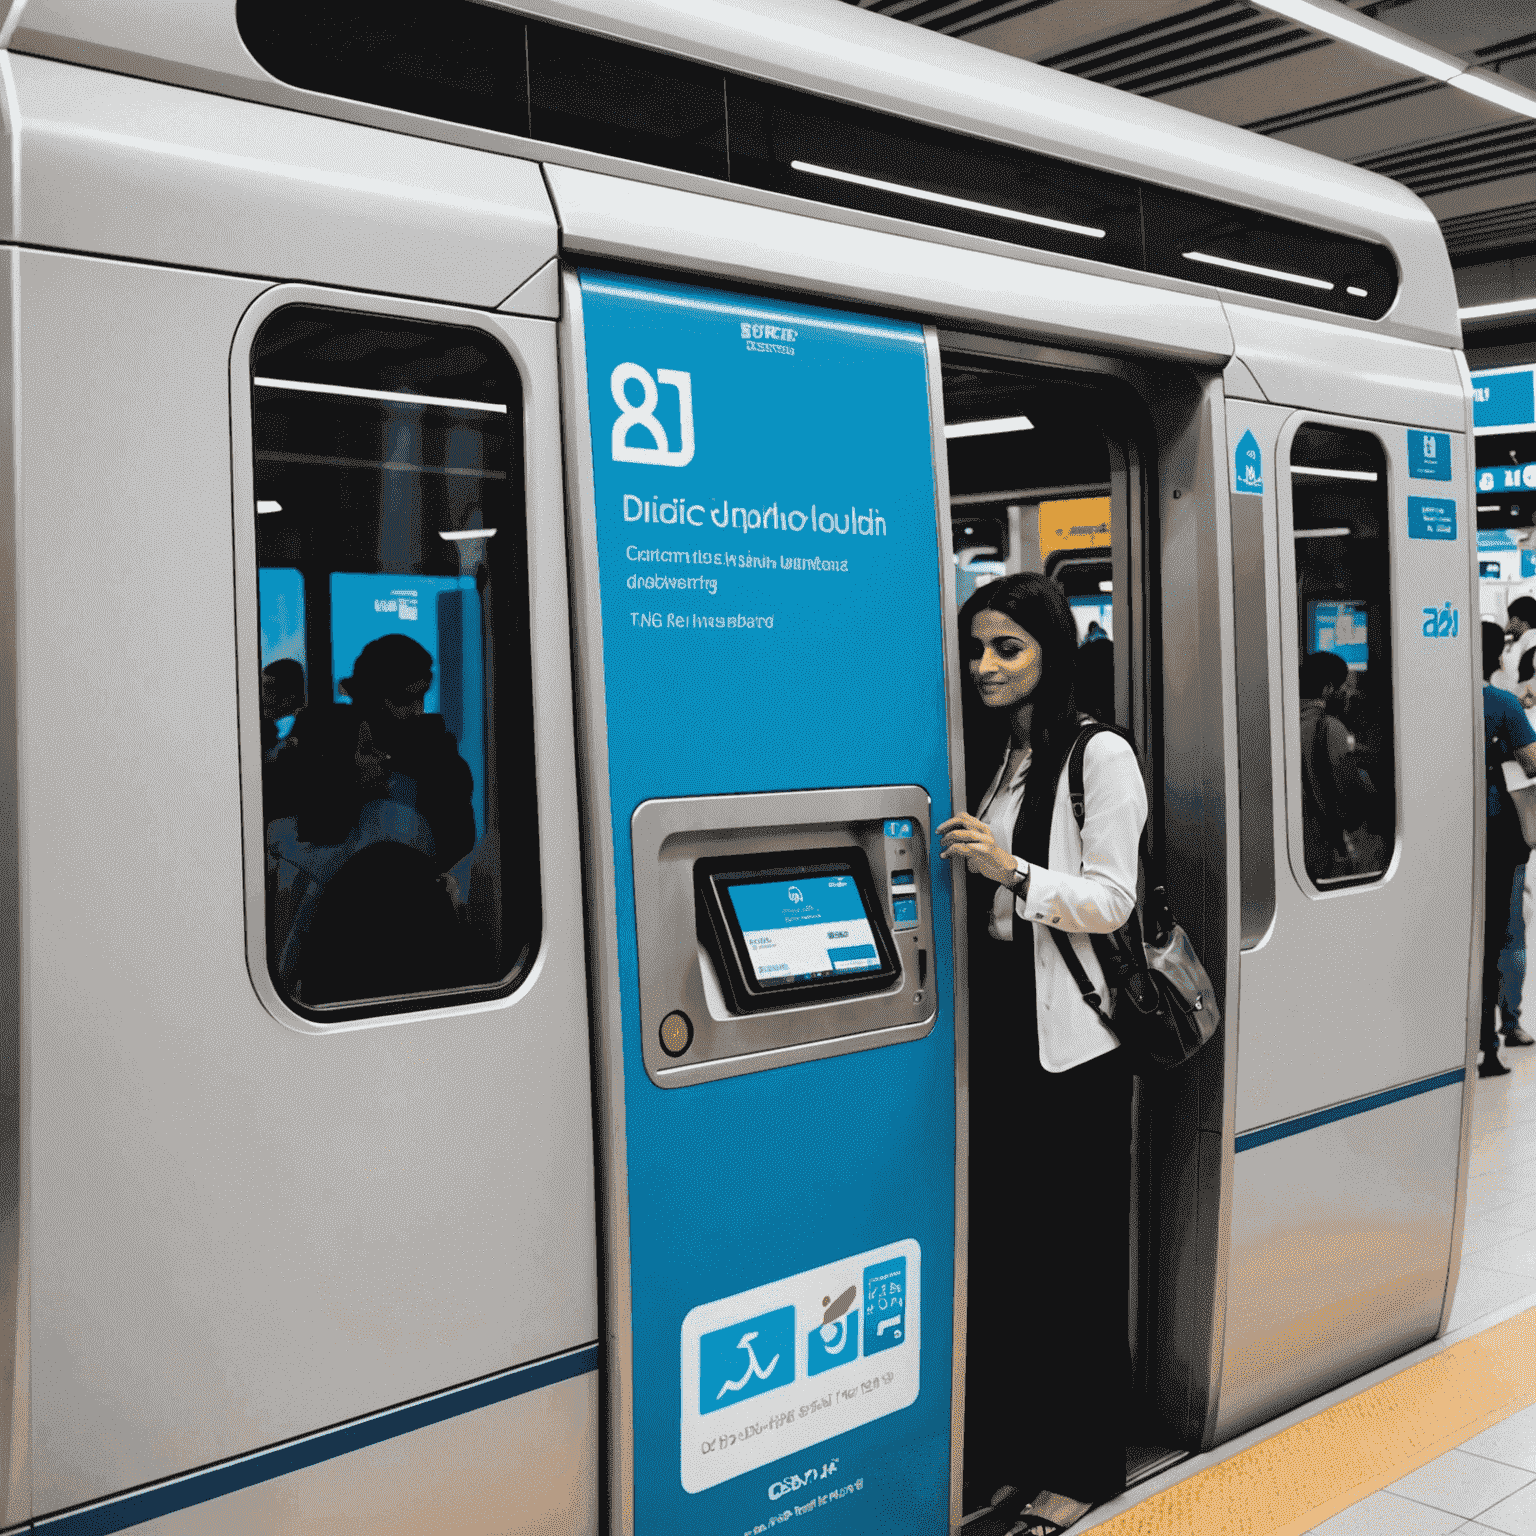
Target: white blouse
(1098, 898)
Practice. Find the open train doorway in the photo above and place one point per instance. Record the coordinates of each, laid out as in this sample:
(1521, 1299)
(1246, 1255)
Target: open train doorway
(1052, 470)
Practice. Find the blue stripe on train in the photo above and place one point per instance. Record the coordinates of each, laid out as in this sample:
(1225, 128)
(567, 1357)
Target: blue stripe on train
(1308, 1122)
(226, 1477)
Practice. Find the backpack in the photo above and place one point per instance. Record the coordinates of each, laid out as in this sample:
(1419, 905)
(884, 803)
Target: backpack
(1165, 1004)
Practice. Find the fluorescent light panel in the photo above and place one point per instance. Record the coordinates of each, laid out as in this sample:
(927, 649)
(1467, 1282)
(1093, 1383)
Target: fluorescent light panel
(309, 387)
(1335, 474)
(458, 535)
(987, 428)
(1349, 30)
(1243, 266)
(269, 506)
(1495, 93)
(1322, 533)
(926, 196)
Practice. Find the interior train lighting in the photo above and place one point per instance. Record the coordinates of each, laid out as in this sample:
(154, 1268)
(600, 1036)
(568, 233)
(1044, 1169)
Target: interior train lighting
(1243, 266)
(1335, 474)
(949, 202)
(1322, 533)
(1504, 307)
(1106, 586)
(458, 535)
(987, 428)
(1359, 293)
(1337, 21)
(269, 506)
(308, 386)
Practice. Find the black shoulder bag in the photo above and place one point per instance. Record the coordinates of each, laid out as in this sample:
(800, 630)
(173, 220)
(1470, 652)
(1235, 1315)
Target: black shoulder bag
(1165, 1005)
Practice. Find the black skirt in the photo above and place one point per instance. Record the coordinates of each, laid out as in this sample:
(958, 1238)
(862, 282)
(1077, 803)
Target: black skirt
(1047, 1358)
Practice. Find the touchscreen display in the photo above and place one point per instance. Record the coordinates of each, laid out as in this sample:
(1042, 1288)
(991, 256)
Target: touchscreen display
(805, 929)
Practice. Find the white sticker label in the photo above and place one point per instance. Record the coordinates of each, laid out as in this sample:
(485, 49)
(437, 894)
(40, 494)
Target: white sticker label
(775, 1370)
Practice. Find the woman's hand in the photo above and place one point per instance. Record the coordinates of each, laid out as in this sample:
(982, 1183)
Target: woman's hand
(969, 838)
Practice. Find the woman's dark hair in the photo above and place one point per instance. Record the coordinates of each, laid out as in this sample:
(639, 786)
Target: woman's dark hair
(1524, 609)
(1038, 606)
(386, 666)
(1493, 647)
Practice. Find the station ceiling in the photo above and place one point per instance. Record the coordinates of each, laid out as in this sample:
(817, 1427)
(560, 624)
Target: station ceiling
(1473, 162)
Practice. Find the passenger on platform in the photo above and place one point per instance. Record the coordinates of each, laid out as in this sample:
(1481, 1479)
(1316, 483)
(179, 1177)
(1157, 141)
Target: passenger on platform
(1519, 660)
(1506, 734)
(1047, 1368)
(1517, 675)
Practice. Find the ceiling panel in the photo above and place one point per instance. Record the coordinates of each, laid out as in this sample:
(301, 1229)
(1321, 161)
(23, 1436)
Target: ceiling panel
(1475, 164)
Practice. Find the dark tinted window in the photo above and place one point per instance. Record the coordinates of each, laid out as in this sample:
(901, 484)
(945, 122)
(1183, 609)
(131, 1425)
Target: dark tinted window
(396, 722)
(595, 94)
(1343, 605)
(481, 65)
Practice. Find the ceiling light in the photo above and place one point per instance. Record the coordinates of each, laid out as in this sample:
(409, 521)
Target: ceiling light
(1243, 266)
(458, 535)
(1336, 22)
(987, 428)
(1322, 533)
(1358, 293)
(1507, 307)
(949, 202)
(1335, 474)
(269, 506)
(308, 387)
(1496, 93)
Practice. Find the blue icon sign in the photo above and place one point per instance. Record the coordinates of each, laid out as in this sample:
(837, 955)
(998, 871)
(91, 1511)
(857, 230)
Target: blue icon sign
(746, 1359)
(885, 1305)
(1248, 467)
(1429, 455)
(1527, 564)
(1430, 517)
(898, 829)
(835, 1340)
(1501, 477)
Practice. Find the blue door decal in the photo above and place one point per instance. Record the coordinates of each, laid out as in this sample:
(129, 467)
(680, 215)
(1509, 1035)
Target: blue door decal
(769, 568)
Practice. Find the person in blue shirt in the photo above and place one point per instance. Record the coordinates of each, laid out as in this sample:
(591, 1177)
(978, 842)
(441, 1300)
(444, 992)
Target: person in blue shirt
(1506, 733)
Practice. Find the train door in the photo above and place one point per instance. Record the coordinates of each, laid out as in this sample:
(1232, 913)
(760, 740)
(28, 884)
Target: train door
(764, 636)
(1108, 466)
(1354, 640)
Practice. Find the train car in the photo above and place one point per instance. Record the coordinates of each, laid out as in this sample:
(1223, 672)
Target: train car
(482, 486)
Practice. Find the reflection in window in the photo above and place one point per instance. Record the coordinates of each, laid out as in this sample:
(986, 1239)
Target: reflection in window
(1347, 775)
(397, 774)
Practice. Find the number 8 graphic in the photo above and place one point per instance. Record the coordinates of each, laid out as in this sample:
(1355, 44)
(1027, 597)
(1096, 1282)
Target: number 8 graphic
(644, 415)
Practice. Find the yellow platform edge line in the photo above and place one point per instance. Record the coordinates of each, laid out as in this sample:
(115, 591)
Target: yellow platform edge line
(1292, 1482)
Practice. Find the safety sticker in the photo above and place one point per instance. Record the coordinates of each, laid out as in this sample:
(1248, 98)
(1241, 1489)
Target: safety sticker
(1429, 455)
(1248, 466)
(1431, 517)
(783, 1367)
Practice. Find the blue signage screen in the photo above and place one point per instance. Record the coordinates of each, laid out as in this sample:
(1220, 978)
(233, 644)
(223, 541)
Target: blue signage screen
(1342, 628)
(1504, 399)
(1507, 477)
(805, 929)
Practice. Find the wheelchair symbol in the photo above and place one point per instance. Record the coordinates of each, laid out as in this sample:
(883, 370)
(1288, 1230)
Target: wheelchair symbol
(753, 1367)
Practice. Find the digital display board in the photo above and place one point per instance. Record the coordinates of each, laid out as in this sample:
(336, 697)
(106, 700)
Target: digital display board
(1342, 628)
(805, 929)
(797, 928)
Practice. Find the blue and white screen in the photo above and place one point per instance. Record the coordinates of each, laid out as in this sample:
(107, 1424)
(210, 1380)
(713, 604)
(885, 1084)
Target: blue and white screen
(801, 930)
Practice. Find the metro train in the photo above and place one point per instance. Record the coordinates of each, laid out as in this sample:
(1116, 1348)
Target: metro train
(441, 1122)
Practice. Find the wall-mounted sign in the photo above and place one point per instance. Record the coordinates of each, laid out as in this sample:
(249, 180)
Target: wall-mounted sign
(1504, 398)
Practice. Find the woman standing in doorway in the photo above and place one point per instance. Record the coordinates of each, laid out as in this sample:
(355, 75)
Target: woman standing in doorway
(1047, 1365)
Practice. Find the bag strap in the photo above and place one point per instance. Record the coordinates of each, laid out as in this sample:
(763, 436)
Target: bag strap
(1080, 976)
(1078, 798)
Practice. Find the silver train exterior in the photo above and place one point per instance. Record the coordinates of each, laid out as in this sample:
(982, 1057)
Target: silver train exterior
(232, 1232)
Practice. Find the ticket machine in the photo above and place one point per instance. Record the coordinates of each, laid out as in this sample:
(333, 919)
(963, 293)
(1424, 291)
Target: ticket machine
(764, 644)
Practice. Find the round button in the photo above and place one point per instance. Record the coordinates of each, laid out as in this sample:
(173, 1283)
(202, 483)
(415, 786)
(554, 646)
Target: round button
(676, 1033)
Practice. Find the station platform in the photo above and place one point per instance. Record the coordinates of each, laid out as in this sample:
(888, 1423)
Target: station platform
(1440, 1441)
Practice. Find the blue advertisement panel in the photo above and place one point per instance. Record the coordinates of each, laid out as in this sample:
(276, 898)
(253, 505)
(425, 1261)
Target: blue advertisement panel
(769, 562)
(1504, 399)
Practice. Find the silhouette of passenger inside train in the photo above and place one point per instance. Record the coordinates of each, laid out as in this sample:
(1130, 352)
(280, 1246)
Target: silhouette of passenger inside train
(381, 810)
(1336, 792)
(282, 695)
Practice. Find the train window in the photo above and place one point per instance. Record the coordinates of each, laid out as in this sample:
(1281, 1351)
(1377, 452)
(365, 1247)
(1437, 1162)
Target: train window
(1347, 770)
(398, 794)
(475, 63)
